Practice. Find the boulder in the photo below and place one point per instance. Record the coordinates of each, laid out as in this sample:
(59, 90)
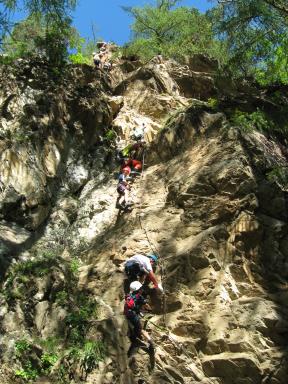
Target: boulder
(233, 367)
(77, 176)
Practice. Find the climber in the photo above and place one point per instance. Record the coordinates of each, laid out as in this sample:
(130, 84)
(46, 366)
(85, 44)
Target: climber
(107, 66)
(101, 58)
(123, 188)
(125, 152)
(142, 267)
(131, 151)
(134, 165)
(97, 60)
(138, 133)
(159, 58)
(138, 150)
(103, 46)
(134, 303)
(125, 173)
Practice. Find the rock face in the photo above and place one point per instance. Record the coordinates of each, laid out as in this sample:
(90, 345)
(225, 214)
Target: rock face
(205, 204)
(42, 133)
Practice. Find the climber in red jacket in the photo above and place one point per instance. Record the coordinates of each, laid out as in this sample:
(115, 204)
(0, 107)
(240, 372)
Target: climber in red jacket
(136, 165)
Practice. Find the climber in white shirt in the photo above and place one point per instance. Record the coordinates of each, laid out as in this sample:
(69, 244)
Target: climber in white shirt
(141, 267)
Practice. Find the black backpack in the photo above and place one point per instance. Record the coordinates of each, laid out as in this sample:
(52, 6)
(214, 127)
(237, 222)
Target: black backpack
(133, 269)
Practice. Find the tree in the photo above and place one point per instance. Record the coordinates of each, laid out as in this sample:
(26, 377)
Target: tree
(256, 32)
(84, 48)
(22, 40)
(279, 5)
(58, 8)
(170, 30)
(47, 30)
(4, 19)
(37, 36)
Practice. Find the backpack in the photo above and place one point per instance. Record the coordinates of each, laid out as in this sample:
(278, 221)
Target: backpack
(121, 188)
(132, 268)
(130, 301)
(133, 303)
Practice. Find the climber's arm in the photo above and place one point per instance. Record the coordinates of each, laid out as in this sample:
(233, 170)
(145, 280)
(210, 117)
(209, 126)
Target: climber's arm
(152, 277)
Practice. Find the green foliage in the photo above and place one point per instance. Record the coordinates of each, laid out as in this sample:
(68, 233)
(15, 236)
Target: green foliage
(86, 356)
(56, 42)
(212, 103)
(279, 175)
(32, 366)
(110, 135)
(22, 41)
(46, 32)
(92, 353)
(81, 351)
(62, 298)
(250, 121)
(27, 373)
(36, 37)
(173, 32)
(274, 70)
(21, 346)
(84, 49)
(78, 319)
(37, 267)
(74, 266)
(50, 345)
(19, 276)
(79, 58)
(48, 360)
(55, 11)
(256, 35)
(8, 287)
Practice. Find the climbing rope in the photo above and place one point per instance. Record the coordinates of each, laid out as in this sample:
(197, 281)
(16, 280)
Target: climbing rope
(162, 273)
(177, 344)
(153, 247)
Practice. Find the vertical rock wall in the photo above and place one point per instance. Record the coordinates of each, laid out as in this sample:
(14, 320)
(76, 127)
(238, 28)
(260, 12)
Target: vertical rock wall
(205, 204)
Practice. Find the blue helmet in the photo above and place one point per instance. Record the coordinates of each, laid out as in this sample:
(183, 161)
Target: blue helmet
(153, 258)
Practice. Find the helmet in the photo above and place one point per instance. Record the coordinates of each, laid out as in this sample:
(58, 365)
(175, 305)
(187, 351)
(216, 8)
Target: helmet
(126, 169)
(135, 286)
(153, 258)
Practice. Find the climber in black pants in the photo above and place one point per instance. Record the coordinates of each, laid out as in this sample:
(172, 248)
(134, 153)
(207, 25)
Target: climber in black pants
(134, 303)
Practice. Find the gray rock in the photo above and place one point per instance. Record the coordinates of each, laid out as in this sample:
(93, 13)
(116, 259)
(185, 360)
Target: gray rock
(77, 176)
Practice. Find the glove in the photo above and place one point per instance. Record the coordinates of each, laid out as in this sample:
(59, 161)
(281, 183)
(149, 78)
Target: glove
(160, 288)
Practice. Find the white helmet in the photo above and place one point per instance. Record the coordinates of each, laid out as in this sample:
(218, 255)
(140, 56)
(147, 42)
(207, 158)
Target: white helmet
(135, 286)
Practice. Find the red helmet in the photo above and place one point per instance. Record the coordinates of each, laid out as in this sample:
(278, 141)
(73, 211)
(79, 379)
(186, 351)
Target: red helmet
(126, 170)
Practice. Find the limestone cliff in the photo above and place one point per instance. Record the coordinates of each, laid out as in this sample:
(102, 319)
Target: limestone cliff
(206, 203)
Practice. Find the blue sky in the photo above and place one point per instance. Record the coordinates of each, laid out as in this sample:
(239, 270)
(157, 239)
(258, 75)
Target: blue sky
(110, 21)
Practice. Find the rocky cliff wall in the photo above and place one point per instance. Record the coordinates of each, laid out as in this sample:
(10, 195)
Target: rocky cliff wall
(204, 203)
